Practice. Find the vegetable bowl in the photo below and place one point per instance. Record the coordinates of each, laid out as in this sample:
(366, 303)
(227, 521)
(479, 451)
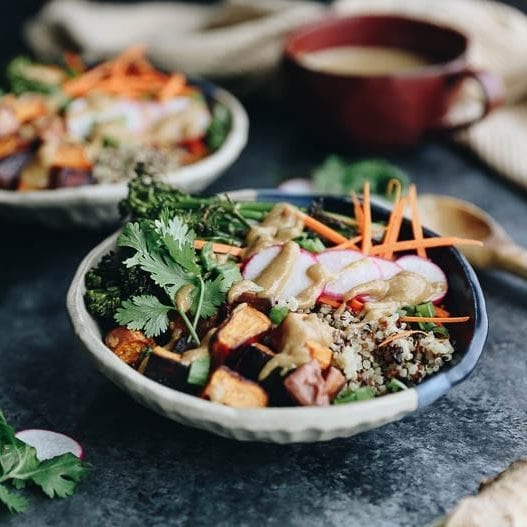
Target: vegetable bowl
(71, 137)
(316, 394)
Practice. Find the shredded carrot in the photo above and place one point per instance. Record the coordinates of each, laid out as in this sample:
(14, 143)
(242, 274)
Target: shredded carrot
(323, 299)
(173, 87)
(409, 245)
(221, 248)
(358, 212)
(441, 312)
(394, 185)
(400, 335)
(441, 320)
(323, 230)
(356, 305)
(366, 209)
(349, 244)
(417, 229)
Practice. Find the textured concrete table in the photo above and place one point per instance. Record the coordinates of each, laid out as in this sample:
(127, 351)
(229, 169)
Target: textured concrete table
(149, 471)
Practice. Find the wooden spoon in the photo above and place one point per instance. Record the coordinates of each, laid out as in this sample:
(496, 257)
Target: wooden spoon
(454, 217)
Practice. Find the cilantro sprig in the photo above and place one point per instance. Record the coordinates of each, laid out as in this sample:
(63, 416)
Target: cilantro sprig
(19, 466)
(164, 249)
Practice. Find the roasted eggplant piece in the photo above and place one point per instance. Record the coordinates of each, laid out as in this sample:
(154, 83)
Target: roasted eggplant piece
(10, 168)
(69, 177)
(243, 327)
(252, 359)
(231, 389)
(260, 303)
(128, 344)
(168, 368)
(306, 386)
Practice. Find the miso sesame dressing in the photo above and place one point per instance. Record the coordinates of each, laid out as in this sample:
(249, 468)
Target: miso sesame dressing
(282, 224)
(297, 330)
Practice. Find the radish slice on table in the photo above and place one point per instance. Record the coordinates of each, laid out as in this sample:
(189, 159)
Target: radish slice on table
(334, 261)
(299, 279)
(388, 268)
(364, 271)
(427, 269)
(50, 444)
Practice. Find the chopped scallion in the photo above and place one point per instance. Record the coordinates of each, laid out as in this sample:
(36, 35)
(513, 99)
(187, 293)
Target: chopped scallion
(199, 371)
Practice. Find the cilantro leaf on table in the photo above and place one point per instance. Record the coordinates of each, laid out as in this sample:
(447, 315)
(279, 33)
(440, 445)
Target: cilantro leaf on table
(19, 465)
(144, 313)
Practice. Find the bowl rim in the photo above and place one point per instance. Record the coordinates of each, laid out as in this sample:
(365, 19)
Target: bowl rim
(108, 193)
(453, 65)
(273, 419)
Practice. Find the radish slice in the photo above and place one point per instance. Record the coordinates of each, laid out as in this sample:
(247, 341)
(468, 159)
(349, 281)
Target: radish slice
(388, 268)
(364, 271)
(50, 444)
(299, 279)
(259, 261)
(335, 261)
(296, 185)
(427, 269)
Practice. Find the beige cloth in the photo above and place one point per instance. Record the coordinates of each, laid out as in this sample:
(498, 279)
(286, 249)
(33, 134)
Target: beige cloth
(243, 39)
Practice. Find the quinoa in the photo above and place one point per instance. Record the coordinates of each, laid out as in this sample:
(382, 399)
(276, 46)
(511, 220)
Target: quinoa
(357, 354)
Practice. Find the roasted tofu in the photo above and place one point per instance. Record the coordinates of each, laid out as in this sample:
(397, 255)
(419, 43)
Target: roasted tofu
(243, 327)
(231, 389)
(306, 386)
(127, 344)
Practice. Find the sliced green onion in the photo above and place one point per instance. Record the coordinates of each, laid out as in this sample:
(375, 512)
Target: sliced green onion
(313, 245)
(199, 371)
(277, 314)
(395, 385)
(348, 396)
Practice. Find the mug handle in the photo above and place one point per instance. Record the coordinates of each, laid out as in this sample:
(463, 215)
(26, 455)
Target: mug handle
(493, 96)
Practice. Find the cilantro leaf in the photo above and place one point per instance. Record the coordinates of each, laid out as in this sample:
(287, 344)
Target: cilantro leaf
(13, 502)
(214, 296)
(146, 313)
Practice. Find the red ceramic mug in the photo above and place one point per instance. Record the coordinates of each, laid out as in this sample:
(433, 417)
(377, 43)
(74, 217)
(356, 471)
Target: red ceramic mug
(387, 110)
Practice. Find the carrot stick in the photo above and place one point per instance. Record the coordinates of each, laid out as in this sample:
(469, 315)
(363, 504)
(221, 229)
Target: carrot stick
(400, 335)
(440, 312)
(366, 209)
(323, 299)
(417, 229)
(442, 320)
(173, 87)
(323, 230)
(409, 245)
(349, 244)
(358, 212)
(393, 183)
(221, 248)
(394, 226)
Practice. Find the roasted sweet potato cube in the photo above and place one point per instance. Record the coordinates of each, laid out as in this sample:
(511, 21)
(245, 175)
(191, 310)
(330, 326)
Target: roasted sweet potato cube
(322, 354)
(252, 359)
(243, 327)
(306, 385)
(71, 156)
(127, 344)
(335, 381)
(231, 389)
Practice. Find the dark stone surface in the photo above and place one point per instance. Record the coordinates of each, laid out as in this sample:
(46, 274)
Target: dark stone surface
(150, 471)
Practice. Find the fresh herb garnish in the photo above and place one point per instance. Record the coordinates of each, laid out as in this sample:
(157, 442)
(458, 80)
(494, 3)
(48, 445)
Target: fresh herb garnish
(278, 314)
(351, 396)
(426, 310)
(338, 176)
(19, 466)
(199, 371)
(164, 249)
(219, 127)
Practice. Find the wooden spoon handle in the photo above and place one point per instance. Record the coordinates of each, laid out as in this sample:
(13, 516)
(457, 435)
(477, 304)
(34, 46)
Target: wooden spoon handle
(513, 258)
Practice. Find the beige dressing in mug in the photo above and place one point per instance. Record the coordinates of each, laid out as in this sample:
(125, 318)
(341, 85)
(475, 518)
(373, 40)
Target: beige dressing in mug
(363, 60)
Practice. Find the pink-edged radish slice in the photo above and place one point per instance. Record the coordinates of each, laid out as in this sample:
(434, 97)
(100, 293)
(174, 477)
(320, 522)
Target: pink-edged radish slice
(388, 268)
(361, 272)
(299, 279)
(50, 444)
(427, 269)
(259, 261)
(334, 261)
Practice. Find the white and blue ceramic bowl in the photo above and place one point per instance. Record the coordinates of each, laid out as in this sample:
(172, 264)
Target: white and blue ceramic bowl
(95, 206)
(295, 424)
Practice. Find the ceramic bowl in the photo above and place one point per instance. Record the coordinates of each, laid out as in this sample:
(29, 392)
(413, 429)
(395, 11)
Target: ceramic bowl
(95, 206)
(295, 424)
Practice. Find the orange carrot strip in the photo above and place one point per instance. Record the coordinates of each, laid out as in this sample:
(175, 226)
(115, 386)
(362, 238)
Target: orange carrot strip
(173, 87)
(391, 184)
(440, 312)
(358, 212)
(74, 62)
(417, 229)
(400, 335)
(349, 244)
(323, 230)
(323, 299)
(366, 209)
(442, 320)
(221, 248)
(126, 58)
(409, 245)
(394, 229)
(356, 305)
